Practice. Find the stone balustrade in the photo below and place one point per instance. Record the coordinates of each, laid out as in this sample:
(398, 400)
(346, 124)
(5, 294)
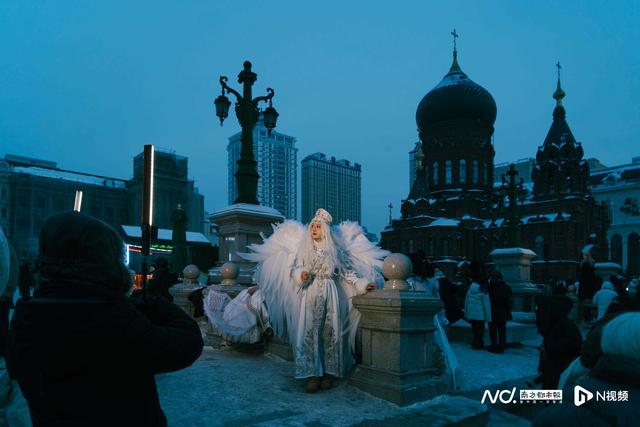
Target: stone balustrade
(400, 361)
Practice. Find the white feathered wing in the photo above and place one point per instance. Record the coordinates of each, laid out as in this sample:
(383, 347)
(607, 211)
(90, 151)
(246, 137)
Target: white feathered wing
(275, 258)
(365, 258)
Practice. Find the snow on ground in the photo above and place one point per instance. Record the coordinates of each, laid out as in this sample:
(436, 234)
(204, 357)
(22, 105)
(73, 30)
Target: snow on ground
(226, 387)
(232, 388)
(481, 368)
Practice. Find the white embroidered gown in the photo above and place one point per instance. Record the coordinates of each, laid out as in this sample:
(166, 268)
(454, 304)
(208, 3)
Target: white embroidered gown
(321, 344)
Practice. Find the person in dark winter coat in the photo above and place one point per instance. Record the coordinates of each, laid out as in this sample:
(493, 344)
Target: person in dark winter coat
(82, 351)
(561, 338)
(500, 297)
(26, 281)
(589, 282)
(162, 279)
(615, 367)
(448, 295)
(619, 284)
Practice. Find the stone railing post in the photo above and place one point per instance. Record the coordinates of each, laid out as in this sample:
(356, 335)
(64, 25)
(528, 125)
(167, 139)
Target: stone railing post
(606, 269)
(181, 291)
(515, 266)
(229, 285)
(400, 361)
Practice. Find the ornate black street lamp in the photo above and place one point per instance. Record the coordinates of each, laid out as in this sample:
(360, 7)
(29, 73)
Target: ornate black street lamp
(248, 114)
(515, 191)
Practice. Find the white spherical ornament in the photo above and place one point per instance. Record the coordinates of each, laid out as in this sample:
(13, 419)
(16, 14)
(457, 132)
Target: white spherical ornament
(191, 273)
(230, 272)
(396, 268)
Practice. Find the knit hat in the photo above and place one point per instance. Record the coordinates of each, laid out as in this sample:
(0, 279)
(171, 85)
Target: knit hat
(77, 248)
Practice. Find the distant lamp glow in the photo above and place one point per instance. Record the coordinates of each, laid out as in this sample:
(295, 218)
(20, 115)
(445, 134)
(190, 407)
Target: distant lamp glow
(270, 118)
(77, 204)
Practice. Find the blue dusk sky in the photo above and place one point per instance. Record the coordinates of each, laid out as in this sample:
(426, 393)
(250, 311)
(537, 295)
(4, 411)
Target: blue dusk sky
(88, 83)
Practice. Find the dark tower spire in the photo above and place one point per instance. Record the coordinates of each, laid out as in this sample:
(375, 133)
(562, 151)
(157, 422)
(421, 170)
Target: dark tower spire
(559, 167)
(559, 94)
(455, 68)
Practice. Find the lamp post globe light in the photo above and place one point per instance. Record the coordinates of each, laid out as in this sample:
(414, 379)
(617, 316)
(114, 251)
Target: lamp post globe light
(248, 114)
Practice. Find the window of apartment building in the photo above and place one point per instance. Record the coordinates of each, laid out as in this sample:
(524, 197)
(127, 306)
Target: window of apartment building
(22, 224)
(41, 201)
(475, 172)
(448, 174)
(93, 208)
(434, 170)
(23, 198)
(59, 204)
(463, 171)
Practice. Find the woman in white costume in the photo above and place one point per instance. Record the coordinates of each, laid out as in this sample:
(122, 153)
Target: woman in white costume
(307, 279)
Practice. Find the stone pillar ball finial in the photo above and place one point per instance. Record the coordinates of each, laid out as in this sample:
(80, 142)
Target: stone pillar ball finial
(191, 273)
(230, 272)
(396, 268)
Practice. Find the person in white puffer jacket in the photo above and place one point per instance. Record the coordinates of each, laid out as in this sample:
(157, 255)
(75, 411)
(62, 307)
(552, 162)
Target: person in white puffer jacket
(603, 298)
(477, 305)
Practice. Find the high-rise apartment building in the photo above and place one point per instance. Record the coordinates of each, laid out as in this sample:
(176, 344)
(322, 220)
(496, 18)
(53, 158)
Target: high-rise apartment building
(277, 158)
(32, 189)
(172, 187)
(333, 185)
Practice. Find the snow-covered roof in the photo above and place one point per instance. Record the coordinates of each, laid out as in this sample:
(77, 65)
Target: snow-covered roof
(447, 260)
(512, 251)
(164, 234)
(555, 261)
(498, 222)
(545, 217)
(71, 176)
(246, 208)
(444, 222)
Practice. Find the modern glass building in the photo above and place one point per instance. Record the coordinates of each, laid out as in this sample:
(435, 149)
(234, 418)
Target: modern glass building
(277, 158)
(334, 185)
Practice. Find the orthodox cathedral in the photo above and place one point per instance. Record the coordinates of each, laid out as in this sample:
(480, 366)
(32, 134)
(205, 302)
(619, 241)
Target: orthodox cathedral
(458, 210)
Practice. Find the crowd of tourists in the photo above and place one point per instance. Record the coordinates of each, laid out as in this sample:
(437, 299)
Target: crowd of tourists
(84, 350)
(597, 349)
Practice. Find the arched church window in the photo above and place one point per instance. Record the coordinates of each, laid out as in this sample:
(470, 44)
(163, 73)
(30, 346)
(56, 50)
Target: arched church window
(633, 254)
(448, 174)
(474, 177)
(538, 246)
(616, 249)
(434, 170)
(463, 171)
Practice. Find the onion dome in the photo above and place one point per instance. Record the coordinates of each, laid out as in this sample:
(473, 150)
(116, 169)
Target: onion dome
(456, 97)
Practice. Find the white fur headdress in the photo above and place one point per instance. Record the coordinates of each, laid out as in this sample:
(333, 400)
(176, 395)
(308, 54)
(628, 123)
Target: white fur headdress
(323, 216)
